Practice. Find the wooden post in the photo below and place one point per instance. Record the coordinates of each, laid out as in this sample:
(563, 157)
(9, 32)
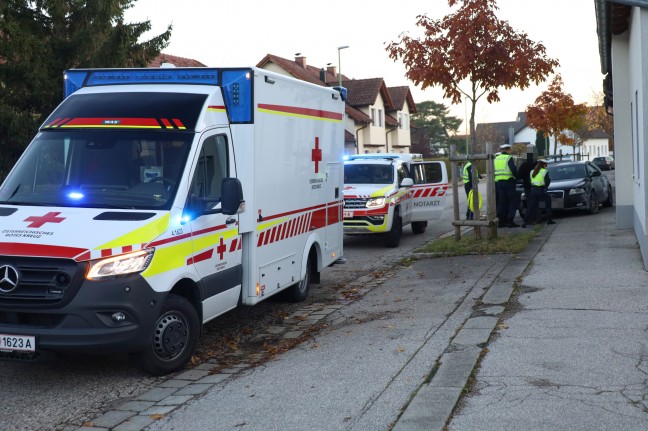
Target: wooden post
(490, 193)
(455, 190)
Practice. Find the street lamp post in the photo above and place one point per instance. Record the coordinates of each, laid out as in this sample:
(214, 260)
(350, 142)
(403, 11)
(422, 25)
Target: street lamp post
(340, 48)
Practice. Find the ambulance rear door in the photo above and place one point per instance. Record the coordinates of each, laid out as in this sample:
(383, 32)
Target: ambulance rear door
(429, 193)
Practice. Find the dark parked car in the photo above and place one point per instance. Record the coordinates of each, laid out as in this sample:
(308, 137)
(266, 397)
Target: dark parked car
(604, 163)
(579, 185)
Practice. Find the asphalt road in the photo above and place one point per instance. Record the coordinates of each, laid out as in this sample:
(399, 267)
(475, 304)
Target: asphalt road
(73, 389)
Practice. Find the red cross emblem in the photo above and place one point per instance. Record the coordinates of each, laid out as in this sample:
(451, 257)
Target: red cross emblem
(47, 218)
(316, 154)
(221, 249)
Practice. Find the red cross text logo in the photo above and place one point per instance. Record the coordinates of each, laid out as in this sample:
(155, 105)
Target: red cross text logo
(221, 249)
(37, 222)
(316, 154)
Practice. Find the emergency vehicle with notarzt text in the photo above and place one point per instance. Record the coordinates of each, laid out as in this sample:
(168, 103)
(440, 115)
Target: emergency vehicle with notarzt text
(384, 192)
(153, 200)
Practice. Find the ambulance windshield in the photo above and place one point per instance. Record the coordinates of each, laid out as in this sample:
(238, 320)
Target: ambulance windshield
(132, 169)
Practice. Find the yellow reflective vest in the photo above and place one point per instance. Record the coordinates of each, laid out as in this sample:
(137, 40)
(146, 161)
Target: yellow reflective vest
(539, 179)
(502, 169)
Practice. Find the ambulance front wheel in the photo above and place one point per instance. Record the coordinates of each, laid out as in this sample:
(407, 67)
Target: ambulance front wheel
(174, 338)
(393, 237)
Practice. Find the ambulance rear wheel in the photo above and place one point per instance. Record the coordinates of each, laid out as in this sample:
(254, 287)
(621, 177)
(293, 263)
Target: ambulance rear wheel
(393, 237)
(299, 292)
(418, 227)
(174, 338)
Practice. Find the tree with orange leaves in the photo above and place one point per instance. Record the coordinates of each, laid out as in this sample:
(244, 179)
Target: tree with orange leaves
(555, 113)
(471, 53)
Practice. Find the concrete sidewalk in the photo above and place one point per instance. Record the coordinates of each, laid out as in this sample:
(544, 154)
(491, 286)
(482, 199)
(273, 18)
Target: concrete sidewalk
(556, 337)
(571, 352)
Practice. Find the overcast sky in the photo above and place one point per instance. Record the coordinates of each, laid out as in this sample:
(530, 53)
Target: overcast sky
(241, 33)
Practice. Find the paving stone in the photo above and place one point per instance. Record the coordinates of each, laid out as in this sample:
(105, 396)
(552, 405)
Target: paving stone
(174, 383)
(156, 394)
(136, 406)
(193, 375)
(276, 329)
(207, 366)
(158, 410)
(213, 378)
(194, 389)
(293, 334)
(112, 418)
(175, 400)
(136, 423)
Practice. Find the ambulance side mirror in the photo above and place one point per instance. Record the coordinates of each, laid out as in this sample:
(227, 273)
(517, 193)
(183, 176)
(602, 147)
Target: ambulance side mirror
(231, 201)
(407, 182)
(232, 196)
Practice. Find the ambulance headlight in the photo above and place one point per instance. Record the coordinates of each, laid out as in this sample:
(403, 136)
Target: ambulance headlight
(375, 202)
(119, 265)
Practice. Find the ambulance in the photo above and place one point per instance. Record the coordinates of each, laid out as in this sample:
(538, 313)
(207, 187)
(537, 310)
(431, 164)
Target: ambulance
(384, 192)
(153, 200)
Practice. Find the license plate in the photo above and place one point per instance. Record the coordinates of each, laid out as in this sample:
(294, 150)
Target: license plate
(348, 214)
(23, 343)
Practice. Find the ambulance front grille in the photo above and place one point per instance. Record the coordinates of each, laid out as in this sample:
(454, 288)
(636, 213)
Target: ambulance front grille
(40, 280)
(355, 203)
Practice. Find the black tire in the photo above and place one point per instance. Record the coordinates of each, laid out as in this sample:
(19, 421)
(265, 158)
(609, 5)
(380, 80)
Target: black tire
(418, 227)
(610, 200)
(593, 203)
(299, 292)
(174, 338)
(393, 237)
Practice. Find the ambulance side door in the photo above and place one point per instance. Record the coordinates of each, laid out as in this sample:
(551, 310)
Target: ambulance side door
(216, 243)
(429, 193)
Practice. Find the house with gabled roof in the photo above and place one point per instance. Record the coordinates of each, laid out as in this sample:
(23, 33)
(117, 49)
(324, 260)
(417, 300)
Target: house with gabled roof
(519, 132)
(174, 60)
(377, 117)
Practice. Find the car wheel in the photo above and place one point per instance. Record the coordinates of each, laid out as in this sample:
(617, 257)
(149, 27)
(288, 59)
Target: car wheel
(299, 292)
(610, 200)
(393, 237)
(174, 338)
(418, 227)
(593, 203)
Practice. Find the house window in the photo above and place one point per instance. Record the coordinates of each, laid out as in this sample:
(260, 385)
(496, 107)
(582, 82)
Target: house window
(373, 116)
(400, 120)
(406, 126)
(380, 118)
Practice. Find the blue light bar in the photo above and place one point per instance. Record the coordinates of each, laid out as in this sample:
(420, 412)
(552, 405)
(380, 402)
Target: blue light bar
(75, 79)
(372, 157)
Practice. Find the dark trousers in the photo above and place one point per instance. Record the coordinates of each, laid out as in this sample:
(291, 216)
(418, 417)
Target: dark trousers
(537, 195)
(506, 200)
(469, 214)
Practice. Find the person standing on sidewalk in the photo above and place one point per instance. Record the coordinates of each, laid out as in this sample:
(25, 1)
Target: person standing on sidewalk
(540, 181)
(505, 173)
(467, 180)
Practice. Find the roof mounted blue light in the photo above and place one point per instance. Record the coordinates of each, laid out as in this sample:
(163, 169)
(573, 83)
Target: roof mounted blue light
(75, 79)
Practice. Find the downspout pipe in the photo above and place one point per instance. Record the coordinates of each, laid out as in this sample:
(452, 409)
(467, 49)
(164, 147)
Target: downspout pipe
(387, 138)
(358, 137)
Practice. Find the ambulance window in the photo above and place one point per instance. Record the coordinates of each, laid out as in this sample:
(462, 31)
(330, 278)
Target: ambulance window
(433, 172)
(212, 167)
(418, 174)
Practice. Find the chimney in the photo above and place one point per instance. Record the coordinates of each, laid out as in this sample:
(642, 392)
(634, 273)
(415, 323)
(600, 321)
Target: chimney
(332, 70)
(322, 75)
(301, 60)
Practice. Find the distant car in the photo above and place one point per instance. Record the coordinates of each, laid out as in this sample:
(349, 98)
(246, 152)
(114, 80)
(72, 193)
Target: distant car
(605, 163)
(578, 185)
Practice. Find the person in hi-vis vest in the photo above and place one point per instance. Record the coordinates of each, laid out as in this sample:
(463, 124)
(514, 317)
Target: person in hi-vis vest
(505, 174)
(540, 181)
(467, 180)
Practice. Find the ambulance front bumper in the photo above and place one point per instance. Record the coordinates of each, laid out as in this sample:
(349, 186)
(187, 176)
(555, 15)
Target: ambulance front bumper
(102, 317)
(366, 224)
